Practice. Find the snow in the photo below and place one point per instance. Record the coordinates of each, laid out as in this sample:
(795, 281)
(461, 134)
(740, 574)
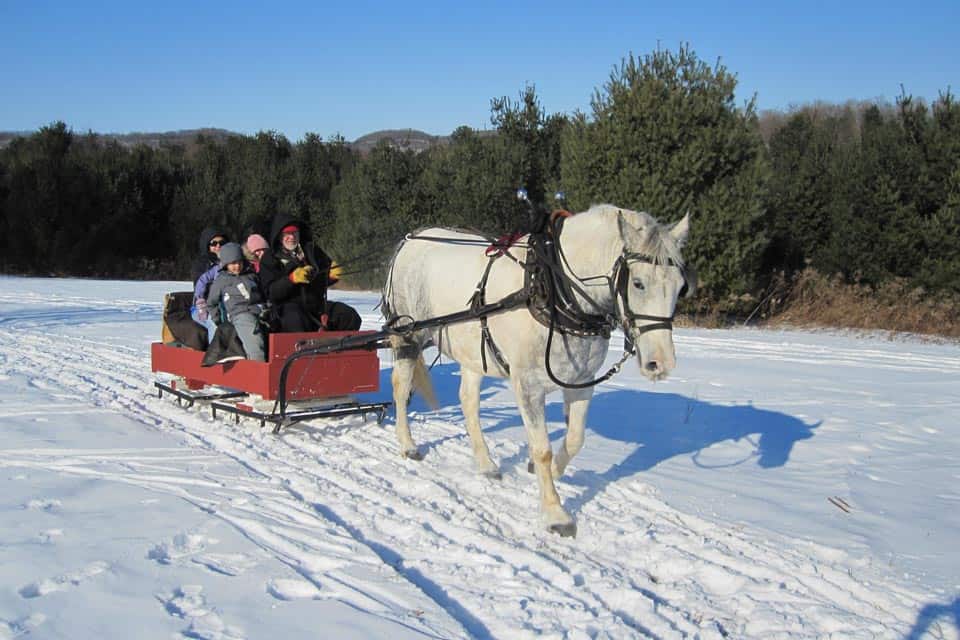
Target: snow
(707, 504)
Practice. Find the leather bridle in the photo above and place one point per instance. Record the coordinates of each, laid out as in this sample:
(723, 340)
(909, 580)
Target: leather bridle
(620, 286)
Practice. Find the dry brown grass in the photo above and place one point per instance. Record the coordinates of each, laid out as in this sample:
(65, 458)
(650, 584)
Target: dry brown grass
(711, 318)
(812, 299)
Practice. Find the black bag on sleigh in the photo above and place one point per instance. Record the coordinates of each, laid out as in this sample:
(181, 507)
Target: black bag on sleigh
(225, 346)
(179, 328)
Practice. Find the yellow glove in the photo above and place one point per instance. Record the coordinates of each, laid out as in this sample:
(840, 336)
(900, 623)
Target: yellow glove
(302, 275)
(336, 272)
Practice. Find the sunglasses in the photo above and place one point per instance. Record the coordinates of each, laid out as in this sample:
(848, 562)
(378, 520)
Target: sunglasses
(217, 243)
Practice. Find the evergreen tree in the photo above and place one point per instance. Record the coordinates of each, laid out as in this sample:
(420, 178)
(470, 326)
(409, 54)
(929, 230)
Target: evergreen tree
(205, 198)
(5, 238)
(940, 265)
(471, 183)
(943, 148)
(38, 194)
(532, 142)
(666, 137)
(877, 230)
(806, 158)
(318, 167)
(268, 176)
(376, 204)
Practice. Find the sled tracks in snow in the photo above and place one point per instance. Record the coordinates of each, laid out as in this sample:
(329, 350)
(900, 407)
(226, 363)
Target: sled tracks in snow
(328, 500)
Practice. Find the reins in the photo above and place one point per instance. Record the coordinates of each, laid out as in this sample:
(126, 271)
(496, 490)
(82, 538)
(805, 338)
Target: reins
(560, 285)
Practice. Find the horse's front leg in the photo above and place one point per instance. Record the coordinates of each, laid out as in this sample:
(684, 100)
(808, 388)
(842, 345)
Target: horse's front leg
(531, 404)
(470, 404)
(575, 405)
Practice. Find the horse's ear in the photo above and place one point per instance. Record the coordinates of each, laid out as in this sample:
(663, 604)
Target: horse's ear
(681, 229)
(632, 238)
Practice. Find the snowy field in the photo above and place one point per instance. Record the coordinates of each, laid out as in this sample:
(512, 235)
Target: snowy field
(778, 485)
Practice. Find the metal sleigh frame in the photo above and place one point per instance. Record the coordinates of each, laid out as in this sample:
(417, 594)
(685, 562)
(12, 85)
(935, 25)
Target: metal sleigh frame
(336, 410)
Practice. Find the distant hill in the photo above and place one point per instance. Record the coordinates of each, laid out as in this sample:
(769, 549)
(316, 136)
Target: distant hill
(411, 139)
(7, 136)
(183, 137)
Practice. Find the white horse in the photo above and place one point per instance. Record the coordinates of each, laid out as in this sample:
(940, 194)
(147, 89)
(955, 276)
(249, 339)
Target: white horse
(623, 265)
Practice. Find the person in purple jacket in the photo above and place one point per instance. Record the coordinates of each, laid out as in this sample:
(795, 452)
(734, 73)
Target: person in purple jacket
(204, 270)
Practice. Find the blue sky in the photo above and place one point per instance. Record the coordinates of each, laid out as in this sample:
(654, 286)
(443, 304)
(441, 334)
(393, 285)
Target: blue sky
(353, 67)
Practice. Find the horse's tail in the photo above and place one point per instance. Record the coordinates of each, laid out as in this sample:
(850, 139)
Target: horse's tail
(422, 383)
(403, 349)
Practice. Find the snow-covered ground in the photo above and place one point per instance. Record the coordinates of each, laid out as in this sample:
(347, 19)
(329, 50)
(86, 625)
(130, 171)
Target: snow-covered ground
(707, 504)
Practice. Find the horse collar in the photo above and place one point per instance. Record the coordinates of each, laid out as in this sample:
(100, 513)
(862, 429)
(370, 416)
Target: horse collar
(552, 293)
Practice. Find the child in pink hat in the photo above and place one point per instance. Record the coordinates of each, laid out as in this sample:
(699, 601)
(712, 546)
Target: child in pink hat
(257, 245)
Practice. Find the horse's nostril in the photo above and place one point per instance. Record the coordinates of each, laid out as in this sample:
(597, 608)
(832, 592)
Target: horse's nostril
(653, 365)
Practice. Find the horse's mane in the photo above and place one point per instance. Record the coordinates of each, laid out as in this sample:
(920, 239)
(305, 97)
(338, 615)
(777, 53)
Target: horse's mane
(658, 243)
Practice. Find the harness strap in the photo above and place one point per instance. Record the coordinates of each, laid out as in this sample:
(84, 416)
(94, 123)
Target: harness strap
(628, 351)
(477, 301)
(500, 246)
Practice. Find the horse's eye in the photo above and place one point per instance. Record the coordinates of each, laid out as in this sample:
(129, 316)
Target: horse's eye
(638, 285)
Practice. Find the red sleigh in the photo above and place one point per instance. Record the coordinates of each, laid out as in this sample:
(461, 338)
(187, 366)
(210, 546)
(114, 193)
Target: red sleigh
(319, 386)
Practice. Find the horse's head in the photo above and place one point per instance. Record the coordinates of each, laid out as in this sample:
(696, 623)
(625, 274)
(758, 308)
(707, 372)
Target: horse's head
(650, 278)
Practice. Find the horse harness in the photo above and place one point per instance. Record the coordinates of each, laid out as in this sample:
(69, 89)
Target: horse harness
(550, 296)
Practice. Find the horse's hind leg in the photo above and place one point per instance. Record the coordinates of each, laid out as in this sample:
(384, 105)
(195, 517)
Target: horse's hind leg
(405, 358)
(575, 405)
(470, 404)
(531, 405)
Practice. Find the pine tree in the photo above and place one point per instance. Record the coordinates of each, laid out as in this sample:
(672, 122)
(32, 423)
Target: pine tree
(376, 204)
(532, 141)
(940, 266)
(471, 182)
(666, 137)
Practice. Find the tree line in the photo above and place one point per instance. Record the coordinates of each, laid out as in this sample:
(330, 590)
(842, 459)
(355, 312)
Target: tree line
(870, 192)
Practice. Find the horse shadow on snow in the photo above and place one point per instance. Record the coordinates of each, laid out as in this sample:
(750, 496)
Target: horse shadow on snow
(929, 619)
(664, 425)
(660, 426)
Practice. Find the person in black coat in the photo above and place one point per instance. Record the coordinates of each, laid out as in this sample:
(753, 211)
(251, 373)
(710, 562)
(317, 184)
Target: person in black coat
(211, 239)
(295, 276)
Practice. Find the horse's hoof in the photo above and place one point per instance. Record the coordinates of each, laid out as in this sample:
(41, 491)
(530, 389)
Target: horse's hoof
(412, 454)
(493, 475)
(530, 467)
(565, 530)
